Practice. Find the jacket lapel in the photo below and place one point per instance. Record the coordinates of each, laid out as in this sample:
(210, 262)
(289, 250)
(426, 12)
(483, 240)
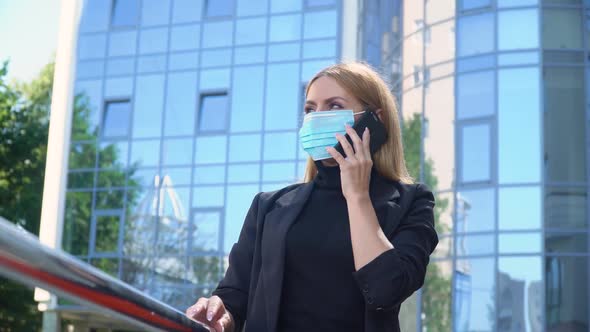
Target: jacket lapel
(276, 225)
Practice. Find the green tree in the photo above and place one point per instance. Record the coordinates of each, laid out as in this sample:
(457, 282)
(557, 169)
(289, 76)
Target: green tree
(436, 292)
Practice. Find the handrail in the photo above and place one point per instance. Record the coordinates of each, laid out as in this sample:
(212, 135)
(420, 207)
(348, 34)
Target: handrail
(25, 260)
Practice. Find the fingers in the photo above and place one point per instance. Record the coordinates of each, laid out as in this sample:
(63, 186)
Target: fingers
(198, 310)
(336, 155)
(358, 144)
(367, 143)
(216, 309)
(223, 324)
(345, 146)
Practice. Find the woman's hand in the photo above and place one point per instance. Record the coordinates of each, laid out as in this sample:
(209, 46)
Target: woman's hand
(212, 312)
(355, 169)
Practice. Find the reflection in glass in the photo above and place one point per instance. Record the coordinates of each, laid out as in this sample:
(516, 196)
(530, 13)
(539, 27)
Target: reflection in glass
(155, 12)
(118, 87)
(89, 69)
(565, 155)
(476, 210)
(122, 43)
(278, 6)
(153, 41)
(76, 231)
(520, 294)
(177, 175)
(244, 147)
(248, 55)
(185, 60)
(213, 112)
(205, 231)
(566, 207)
(110, 178)
(80, 179)
(95, 16)
(173, 214)
(562, 28)
(204, 270)
(251, 31)
(280, 146)
(518, 29)
(476, 63)
(566, 242)
(187, 11)
(208, 196)
(209, 174)
(519, 58)
(136, 272)
(566, 280)
(210, 149)
(125, 13)
(148, 105)
(520, 243)
(181, 95)
(511, 213)
(519, 146)
(476, 153)
(284, 51)
(185, 37)
(278, 172)
(516, 3)
(177, 151)
(116, 119)
(151, 63)
(239, 199)
(122, 66)
(320, 24)
(92, 46)
(476, 94)
(285, 28)
(472, 4)
(219, 8)
(310, 68)
(109, 199)
(108, 265)
(107, 225)
(475, 34)
(243, 173)
(282, 96)
(216, 58)
(247, 99)
(218, 34)
(145, 153)
(436, 296)
(476, 244)
(474, 307)
(82, 155)
(249, 7)
(214, 79)
(319, 49)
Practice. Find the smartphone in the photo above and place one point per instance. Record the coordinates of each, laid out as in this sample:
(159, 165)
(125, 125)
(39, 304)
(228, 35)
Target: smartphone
(376, 129)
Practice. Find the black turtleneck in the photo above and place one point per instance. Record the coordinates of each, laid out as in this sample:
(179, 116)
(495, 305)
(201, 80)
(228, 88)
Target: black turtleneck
(319, 292)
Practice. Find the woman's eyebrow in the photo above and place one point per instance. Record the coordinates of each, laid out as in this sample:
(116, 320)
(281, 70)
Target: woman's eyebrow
(331, 99)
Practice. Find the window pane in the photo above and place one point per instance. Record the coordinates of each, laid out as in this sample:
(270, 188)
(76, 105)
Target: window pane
(278, 172)
(120, 66)
(185, 37)
(218, 34)
(472, 4)
(562, 28)
(145, 153)
(476, 34)
(118, 87)
(208, 196)
(239, 199)
(320, 24)
(210, 149)
(172, 222)
(476, 63)
(214, 79)
(153, 41)
(249, 7)
(520, 288)
(181, 104)
(155, 12)
(285, 28)
(310, 68)
(436, 296)
(476, 153)
(519, 147)
(516, 3)
(185, 60)
(566, 207)
(92, 46)
(107, 232)
(566, 243)
(113, 154)
(474, 295)
(95, 16)
(90, 69)
(177, 175)
(220, 7)
(82, 155)
(216, 58)
(476, 244)
(521, 243)
(476, 94)
(88, 93)
(244, 148)
(317, 3)
(80, 179)
(177, 151)
(519, 58)
(187, 10)
(247, 99)
(110, 178)
(251, 31)
(76, 232)
(283, 94)
(125, 12)
(247, 55)
(209, 174)
(511, 212)
(284, 51)
(213, 113)
(566, 278)
(243, 173)
(116, 119)
(151, 64)
(280, 146)
(149, 100)
(565, 155)
(319, 49)
(122, 43)
(205, 232)
(476, 210)
(518, 29)
(278, 6)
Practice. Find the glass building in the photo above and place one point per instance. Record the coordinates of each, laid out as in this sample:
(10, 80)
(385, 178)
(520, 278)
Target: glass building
(188, 108)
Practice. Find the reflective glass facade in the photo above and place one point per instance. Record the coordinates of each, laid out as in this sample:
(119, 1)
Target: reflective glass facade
(186, 110)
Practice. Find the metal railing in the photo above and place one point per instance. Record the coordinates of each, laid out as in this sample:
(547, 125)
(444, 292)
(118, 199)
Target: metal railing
(25, 260)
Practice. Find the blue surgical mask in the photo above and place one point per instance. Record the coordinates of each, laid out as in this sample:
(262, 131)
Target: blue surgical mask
(319, 130)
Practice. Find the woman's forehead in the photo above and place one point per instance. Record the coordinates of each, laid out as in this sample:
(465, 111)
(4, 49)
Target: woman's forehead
(324, 88)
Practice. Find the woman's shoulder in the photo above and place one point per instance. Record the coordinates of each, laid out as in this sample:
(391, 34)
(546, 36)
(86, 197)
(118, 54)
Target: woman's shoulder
(411, 192)
(273, 195)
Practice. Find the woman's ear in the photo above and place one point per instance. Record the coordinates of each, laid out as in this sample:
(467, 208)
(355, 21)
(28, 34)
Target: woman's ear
(379, 114)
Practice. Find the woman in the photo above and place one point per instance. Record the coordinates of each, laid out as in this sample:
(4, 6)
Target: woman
(342, 250)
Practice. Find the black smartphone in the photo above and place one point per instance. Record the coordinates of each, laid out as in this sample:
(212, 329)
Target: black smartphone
(376, 129)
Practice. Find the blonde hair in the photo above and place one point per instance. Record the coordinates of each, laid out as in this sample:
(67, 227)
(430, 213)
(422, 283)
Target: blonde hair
(360, 80)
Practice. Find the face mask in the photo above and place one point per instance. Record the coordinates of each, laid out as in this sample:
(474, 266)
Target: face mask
(319, 131)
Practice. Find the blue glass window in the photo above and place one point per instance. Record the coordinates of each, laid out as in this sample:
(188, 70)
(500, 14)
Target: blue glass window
(247, 99)
(178, 175)
(249, 7)
(91, 92)
(209, 175)
(318, 3)
(518, 58)
(120, 66)
(90, 69)
(476, 62)
(284, 51)
(116, 119)
(78, 158)
(219, 8)
(95, 16)
(218, 34)
(511, 215)
(122, 43)
(155, 12)
(210, 149)
(208, 196)
(249, 55)
(474, 289)
(283, 94)
(145, 152)
(475, 34)
(92, 46)
(148, 106)
(280, 6)
(153, 41)
(185, 60)
(519, 121)
(476, 210)
(476, 153)
(278, 171)
(320, 24)
(177, 151)
(251, 31)
(106, 236)
(187, 11)
(244, 148)
(185, 37)
(216, 58)
(280, 146)
(285, 28)
(151, 64)
(243, 173)
(125, 13)
(214, 79)
(517, 3)
(205, 236)
(519, 243)
(518, 29)
(476, 244)
(181, 104)
(119, 87)
(475, 94)
(310, 68)
(319, 49)
(213, 111)
(563, 28)
(239, 199)
(473, 4)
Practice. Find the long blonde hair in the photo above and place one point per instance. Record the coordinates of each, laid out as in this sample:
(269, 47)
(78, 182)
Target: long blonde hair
(360, 80)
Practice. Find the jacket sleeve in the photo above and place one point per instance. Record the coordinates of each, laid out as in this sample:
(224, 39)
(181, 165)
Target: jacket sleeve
(394, 275)
(234, 287)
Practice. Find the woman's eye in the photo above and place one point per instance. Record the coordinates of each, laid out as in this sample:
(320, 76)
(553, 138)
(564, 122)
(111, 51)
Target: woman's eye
(307, 110)
(332, 106)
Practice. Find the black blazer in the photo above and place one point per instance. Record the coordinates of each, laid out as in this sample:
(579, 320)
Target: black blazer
(251, 288)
